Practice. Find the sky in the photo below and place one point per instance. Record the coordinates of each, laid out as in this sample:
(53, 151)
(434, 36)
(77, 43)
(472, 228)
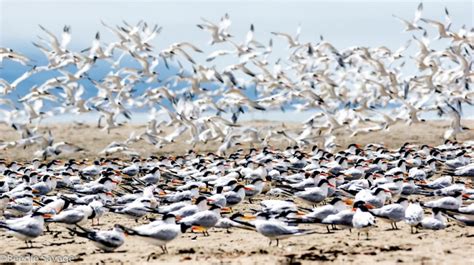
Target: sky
(343, 23)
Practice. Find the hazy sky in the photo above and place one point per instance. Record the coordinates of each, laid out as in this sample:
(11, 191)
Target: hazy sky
(344, 23)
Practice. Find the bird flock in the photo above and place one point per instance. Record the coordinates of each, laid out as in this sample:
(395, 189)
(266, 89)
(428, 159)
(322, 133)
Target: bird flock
(307, 188)
(356, 90)
(278, 193)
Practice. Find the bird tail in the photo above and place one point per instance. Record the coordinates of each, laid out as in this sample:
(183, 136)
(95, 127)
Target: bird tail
(374, 213)
(346, 193)
(448, 171)
(424, 192)
(283, 186)
(84, 232)
(139, 181)
(127, 230)
(286, 191)
(304, 232)
(462, 223)
(3, 225)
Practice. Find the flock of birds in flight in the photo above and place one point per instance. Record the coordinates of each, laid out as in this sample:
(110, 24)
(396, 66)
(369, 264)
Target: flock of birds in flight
(352, 188)
(358, 89)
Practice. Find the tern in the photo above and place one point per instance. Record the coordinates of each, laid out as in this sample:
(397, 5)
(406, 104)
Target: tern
(363, 220)
(26, 228)
(105, 240)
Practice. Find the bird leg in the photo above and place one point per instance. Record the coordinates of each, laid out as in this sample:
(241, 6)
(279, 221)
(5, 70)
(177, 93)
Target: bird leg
(270, 243)
(278, 242)
(358, 235)
(150, 256)
(411, 229)
(367, 235)
(396, 227)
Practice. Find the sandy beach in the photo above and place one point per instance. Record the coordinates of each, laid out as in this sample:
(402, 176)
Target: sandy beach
(450, 246)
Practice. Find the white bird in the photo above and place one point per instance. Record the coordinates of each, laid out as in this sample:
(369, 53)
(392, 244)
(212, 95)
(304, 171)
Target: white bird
(452, 202)
(275, 229)
(434, 222)
(203, 220)
(392, 213)
(413, 215)
(412, 25)
(363, 220)
(26, 228)
(105, 240)
(158, 235)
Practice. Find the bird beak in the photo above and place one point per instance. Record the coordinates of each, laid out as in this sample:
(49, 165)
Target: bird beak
(465, 195)
(177, 181)
(330, 185)
(47, 215)
(178, 218)
(300, 213)
(248, 217)
(369, 206)
(109, 193)
(248, 188)
(226, 210)
(348, 201)
(210, 200)
(35, 191)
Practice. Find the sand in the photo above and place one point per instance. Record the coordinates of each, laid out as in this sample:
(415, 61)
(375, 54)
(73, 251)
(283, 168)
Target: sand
(94, 140)
(450, 246)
